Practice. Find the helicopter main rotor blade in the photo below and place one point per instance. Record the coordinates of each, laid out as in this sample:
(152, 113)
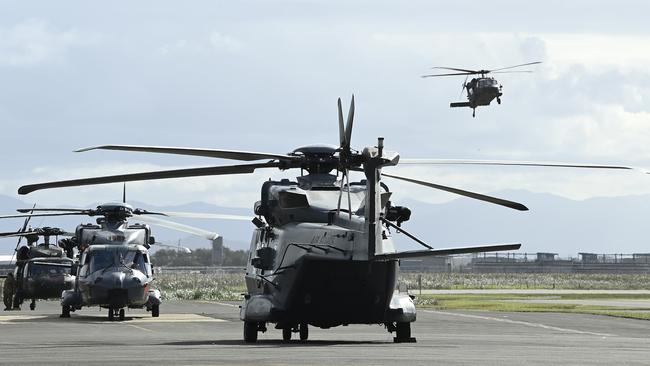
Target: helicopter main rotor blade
(460, 73)
(456, 69)
(39, 233)
(210, 153)
(20, 238)
(512, 72)
(25, 210)
(448, 251)
(162, 174)
(202, 215)
(348, 125)
(184, 249)
(512, 67)
(513, 163)
(12, 216)
(477, 196)
(210, 235)
(341, 126)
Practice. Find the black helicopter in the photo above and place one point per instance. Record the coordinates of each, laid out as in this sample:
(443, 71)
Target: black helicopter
(480, 90)
(42, 271)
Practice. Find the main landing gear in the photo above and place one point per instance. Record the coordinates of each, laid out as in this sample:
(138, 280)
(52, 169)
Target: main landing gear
(251, 329)
(402, 332)
(302, 329)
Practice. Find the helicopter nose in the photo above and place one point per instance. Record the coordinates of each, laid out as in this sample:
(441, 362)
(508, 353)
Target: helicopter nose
(113, 280)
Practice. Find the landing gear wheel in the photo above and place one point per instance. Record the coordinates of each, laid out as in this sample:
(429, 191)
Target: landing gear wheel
(286, 334)
(121, 314)
(403, 333)
(250, 332)
(65, 311)
(499, 100)
(32, 305)
(111, 314)
(304, 331)
(17, 301)
(155, 311)
(473, 113)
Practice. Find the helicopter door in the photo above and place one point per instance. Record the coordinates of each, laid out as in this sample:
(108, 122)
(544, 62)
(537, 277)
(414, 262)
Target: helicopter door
(147, 265)
(83, 263)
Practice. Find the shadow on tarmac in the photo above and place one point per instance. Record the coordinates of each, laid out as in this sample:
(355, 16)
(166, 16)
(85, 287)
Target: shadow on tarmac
(273, 343)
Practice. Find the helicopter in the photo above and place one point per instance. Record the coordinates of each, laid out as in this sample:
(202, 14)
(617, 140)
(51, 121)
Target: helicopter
(114, 270)
(42, 271)
(313, 261)
(481, 91)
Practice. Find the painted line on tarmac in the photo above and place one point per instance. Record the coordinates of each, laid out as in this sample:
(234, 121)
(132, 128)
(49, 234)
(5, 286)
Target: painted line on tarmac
(520, 322)
(137, 327)
(177, 318)
(164, 318)
(10, 319)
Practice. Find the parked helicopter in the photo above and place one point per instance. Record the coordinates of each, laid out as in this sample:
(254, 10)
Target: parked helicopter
(483, 90)
(43, 270)
(114, 269)
(313, 262)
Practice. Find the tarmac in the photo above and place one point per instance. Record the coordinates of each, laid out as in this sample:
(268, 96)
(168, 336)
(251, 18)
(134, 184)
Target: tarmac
(209, 333)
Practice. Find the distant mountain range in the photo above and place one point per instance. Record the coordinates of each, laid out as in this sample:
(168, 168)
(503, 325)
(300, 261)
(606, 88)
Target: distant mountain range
(553, 224)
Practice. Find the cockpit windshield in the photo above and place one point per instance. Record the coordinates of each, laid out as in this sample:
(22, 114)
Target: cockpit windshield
(487, 82)
(37, 269)
(130, 258)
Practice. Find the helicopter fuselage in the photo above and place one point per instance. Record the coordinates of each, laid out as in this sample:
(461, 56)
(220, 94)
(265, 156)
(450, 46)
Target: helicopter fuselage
(310, 264)
(112, 276)
(42, 272)
(114, 269)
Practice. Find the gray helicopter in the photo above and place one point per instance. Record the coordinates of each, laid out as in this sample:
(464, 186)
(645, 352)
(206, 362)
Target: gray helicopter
(312, 260)
(42, 271)
(114, 269)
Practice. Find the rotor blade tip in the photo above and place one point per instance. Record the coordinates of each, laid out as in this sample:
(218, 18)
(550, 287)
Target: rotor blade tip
(24, 190)
(84, 149)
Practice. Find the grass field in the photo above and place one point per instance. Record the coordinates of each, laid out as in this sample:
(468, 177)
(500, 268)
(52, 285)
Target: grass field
(569, 281)
(527, 303)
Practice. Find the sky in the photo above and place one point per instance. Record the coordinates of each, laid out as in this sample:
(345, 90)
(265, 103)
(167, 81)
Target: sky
(265, 76)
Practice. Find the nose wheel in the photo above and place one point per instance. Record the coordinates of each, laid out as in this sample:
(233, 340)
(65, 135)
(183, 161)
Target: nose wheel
(250, 332)
(115, 313)
(65, 311)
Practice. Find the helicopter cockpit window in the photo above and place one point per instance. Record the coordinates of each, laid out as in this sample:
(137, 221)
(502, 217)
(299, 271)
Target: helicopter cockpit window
(133, 259)
(44, 269)
(292, 200)
(100, 260)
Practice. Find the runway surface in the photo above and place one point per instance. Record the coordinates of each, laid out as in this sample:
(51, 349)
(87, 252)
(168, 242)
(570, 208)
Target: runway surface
(211, 333)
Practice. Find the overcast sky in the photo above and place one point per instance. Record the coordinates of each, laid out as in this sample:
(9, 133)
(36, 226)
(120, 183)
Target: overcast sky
(264, 76)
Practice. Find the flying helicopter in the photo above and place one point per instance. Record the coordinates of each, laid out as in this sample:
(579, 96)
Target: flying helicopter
(314, 261)
(114, 269)
(481, 91)
(42, 271)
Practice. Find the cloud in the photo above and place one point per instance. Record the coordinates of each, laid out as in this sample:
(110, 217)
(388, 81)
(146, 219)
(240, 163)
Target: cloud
(33, 42)
(225, 42)
(215, 41)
